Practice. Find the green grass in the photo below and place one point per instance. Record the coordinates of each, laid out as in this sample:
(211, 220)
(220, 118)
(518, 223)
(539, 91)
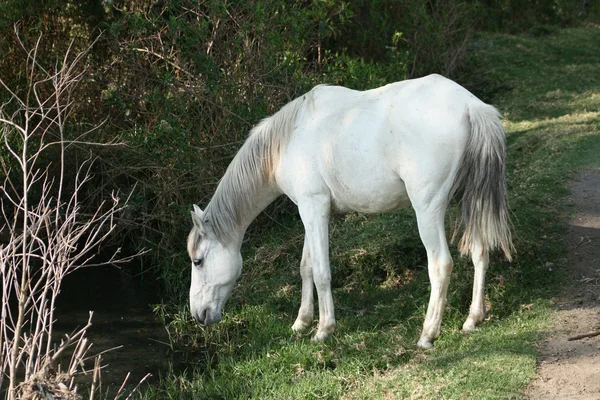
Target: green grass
(549, 90)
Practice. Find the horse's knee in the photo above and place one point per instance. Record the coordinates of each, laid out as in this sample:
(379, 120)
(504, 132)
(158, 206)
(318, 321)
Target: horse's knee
(440, 270)
(306, 273)
(322, 280)
(445, 264)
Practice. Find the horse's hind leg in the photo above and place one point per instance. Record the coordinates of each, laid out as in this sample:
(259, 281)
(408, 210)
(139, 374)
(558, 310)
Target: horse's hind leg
(431, 228)
(306, 312)
(481, 259)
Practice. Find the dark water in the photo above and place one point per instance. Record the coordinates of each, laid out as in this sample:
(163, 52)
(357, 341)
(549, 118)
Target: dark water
(122, 305)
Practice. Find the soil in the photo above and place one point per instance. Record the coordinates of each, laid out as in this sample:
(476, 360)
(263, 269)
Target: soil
(570, 369)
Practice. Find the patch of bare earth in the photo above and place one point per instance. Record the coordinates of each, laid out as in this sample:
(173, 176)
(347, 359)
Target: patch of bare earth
(570, 364)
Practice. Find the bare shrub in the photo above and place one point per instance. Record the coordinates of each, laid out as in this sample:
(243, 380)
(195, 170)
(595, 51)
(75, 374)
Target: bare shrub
(45, 235)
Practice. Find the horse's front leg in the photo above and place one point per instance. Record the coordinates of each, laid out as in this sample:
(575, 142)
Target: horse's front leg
(306, 312)
(314, 211)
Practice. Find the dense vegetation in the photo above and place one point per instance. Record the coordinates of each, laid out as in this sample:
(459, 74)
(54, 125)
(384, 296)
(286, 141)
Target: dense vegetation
(179, 84)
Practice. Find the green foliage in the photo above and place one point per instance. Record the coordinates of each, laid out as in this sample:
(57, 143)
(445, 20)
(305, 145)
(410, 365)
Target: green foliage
(429, 36)
(204, 74)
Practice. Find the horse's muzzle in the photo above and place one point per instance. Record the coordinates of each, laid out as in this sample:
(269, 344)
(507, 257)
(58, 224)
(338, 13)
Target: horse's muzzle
(206, 317)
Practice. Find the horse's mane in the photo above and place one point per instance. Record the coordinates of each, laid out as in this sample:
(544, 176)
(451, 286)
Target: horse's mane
(252, 167)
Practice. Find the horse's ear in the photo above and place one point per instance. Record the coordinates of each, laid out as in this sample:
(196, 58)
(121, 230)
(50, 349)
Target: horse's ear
(198, 211)
(197, 218)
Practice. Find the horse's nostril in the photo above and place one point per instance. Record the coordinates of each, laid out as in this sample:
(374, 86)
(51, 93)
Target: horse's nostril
(201, 316)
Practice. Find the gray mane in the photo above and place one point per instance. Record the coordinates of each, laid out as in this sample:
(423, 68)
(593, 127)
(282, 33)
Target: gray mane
(252, 167)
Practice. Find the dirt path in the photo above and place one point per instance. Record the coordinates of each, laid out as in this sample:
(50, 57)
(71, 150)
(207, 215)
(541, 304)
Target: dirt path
(571, 369)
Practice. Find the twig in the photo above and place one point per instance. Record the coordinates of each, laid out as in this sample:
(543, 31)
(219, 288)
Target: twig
(171, 63)
(96, 376)
(582, 243)
(75, 337)
(102, 352)
(122, 385)
(148, 375)
(584, 335)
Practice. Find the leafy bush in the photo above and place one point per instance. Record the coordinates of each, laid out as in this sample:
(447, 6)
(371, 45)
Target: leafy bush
(180, 82)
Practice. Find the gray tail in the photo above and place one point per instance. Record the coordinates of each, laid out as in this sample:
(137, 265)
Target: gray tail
(480, 184)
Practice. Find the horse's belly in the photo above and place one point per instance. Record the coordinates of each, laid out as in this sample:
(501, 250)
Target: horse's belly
(372, 193)
(358, 171)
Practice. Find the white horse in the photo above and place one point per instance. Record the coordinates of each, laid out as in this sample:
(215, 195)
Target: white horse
(421, 142)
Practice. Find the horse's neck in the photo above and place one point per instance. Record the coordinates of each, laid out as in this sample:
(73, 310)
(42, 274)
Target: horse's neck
(248, 185)
(262, 199)
(234, 228)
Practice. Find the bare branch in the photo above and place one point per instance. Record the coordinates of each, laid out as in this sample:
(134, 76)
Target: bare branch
(171, 63)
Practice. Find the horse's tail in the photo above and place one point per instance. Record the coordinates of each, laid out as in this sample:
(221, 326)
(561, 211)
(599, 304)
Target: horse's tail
(480, 185)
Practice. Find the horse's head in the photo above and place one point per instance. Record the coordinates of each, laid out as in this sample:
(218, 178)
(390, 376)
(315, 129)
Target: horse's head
(215, 269)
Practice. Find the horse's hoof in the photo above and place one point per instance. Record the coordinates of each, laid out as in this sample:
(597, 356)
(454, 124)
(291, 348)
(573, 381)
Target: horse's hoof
(425, 344)
(468, 326)
(299, 325)
(321, 336)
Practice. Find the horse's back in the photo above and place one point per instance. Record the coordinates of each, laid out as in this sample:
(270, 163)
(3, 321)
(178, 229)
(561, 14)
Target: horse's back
(376, 150)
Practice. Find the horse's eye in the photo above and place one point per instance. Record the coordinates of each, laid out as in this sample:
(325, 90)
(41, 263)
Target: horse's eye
(198, 262)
